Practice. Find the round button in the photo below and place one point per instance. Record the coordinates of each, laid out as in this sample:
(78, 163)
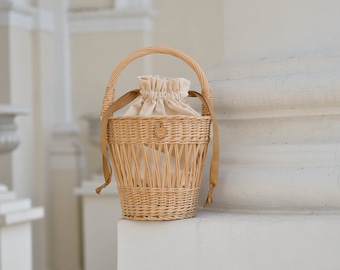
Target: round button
(160, 132)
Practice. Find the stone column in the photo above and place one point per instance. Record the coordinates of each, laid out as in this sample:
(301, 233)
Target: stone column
(66, 162)
(277, 98)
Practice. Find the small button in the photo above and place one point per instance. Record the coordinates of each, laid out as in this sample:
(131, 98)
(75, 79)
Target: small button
(160, 132)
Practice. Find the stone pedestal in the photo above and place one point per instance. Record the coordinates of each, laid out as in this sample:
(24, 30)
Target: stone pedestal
(100, 215)
(219, 240)
(16, 216)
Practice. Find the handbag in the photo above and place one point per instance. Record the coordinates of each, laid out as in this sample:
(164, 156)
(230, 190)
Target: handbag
(158, 148)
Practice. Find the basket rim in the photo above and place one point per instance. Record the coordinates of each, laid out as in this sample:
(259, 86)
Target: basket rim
(161, 117)
(157, 188)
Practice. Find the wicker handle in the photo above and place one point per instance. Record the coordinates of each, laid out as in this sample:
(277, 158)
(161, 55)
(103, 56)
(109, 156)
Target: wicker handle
(110, 88)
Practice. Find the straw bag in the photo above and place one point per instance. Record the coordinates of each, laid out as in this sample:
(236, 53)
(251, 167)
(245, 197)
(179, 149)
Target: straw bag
(157, 158)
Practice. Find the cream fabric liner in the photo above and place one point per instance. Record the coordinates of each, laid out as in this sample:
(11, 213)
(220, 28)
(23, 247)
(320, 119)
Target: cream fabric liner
(161, 96)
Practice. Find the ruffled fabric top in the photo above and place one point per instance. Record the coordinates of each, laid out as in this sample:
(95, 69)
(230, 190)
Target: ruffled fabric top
(161, 96)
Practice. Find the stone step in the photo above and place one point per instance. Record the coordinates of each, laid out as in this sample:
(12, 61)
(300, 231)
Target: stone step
(21, 216)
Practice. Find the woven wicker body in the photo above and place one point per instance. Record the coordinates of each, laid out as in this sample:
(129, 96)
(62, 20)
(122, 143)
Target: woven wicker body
(157, 160)
(158, 175)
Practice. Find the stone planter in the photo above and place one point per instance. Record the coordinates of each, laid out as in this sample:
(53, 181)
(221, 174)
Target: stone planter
(9, 140)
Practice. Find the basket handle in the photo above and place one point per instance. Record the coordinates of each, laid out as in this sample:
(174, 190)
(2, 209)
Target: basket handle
(110, 88)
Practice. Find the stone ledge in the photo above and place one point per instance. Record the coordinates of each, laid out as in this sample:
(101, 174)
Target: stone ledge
(26, 215)
(7, 195)
(15, 211)
(219, 240)
(14, 205)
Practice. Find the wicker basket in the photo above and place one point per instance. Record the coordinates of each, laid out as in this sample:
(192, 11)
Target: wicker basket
(173, 151)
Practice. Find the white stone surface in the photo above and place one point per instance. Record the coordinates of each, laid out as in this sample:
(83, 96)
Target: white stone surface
(3, 188)
(16, 216)
(10, 110)
(217, 240)
(277, 105)
(278, 126)
(14, 211)
(17, 250)
(7, 195)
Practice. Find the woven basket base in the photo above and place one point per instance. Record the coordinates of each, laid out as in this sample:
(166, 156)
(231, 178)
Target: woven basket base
(140, 203)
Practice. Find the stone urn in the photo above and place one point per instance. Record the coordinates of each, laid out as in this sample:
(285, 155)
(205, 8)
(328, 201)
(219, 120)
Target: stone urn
(9, 140)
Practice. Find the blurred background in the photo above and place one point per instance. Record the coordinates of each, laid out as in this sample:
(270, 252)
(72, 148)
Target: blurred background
(56, 58)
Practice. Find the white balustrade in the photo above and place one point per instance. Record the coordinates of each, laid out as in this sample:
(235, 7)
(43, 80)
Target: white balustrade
(16, 214)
